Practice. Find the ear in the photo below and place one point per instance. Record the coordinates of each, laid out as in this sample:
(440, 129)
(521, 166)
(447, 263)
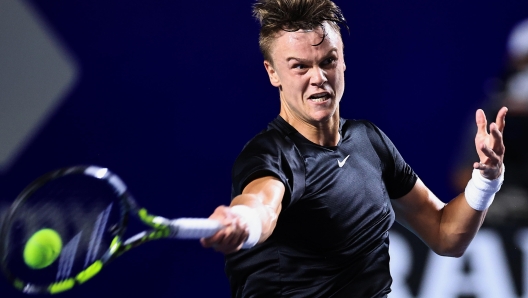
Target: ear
(273, 76)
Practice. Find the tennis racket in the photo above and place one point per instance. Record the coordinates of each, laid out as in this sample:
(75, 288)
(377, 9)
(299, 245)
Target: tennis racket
(89, 207)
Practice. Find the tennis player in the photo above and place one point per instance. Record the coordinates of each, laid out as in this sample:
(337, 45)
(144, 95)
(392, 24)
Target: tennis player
(314, 194)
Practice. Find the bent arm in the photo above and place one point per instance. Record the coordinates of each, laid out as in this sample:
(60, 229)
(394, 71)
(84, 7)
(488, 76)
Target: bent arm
(447, 229)
(264, 197)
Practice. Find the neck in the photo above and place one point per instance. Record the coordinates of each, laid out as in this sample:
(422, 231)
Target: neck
(323, 133)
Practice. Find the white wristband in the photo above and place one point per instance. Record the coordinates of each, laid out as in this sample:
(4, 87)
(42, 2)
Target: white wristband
(480, 191)
(253, 222)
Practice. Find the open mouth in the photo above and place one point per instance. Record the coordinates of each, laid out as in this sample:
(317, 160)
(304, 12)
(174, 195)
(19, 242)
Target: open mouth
(319, 97)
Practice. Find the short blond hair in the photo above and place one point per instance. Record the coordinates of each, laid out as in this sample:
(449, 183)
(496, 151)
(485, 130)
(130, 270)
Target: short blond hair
(292, 15)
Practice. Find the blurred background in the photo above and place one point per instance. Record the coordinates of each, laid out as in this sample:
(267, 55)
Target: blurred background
(166, 93)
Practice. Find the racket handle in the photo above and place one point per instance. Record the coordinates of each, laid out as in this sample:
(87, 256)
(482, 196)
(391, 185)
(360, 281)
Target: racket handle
(194, 228)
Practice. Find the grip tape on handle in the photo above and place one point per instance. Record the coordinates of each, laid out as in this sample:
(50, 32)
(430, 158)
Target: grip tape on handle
(194, 228)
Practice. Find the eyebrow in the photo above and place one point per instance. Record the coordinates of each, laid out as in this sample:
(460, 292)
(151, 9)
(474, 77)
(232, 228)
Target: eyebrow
(297, 59)
(301, 60)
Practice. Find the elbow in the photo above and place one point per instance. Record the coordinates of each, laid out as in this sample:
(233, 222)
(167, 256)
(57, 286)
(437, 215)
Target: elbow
(452, 244)
(451, 254)
(450, 251)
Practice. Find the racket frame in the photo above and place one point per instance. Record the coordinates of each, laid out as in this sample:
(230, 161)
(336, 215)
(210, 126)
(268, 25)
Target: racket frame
(160, 228)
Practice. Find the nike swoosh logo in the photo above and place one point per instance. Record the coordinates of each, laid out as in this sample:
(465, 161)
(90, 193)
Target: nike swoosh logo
(342, 163)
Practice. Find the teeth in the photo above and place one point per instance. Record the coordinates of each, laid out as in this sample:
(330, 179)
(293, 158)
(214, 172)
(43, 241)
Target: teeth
(319, 98)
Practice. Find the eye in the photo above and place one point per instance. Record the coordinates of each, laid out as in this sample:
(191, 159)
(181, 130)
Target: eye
(298, 66)
(328, 61)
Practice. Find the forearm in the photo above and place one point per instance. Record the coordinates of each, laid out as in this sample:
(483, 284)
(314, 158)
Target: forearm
(264, 197)
(463, 216)
(446, 228)
(251, 217)
(267, 213)
(459, 223)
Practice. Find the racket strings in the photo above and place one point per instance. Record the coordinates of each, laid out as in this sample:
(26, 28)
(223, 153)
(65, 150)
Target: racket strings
(67, 258)
(83, 210)
(97, 235)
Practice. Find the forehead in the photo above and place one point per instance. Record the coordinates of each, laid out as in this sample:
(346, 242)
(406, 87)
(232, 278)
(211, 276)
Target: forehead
(303, 42)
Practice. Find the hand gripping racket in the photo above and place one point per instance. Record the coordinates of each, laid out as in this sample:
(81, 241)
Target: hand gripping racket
(88, 209)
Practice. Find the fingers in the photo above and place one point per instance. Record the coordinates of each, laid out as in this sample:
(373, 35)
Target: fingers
(496, 141)
(496, 131)
(481, 121)
(492, 155)
(492, 159)
(501, 119)
(490, 164)
(231, 237)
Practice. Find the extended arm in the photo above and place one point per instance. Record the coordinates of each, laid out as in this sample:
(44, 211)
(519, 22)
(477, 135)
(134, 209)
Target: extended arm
(449, 228)
(264, 198)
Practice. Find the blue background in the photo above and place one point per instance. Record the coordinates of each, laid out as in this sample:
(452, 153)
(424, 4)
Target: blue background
(170, 91)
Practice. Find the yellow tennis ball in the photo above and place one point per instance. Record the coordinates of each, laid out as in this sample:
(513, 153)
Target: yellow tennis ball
(42, 249)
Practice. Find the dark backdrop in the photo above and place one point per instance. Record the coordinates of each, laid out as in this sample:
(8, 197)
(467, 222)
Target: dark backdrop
(167, 92)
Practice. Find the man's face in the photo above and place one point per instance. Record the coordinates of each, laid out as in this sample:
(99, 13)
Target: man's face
(310, 78)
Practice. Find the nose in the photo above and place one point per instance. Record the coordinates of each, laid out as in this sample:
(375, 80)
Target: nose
(318, 77)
